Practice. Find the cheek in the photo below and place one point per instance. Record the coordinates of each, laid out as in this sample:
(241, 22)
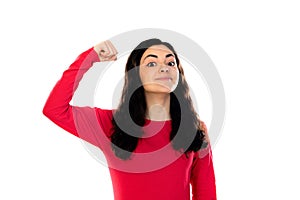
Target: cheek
(176, 77)
(146, 75)
(143, 76)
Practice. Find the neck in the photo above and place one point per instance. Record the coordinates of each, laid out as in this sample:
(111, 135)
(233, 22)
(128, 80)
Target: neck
(158, 106)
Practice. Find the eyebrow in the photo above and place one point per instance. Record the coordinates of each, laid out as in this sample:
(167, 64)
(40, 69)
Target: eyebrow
(155, 56)
(169, 55)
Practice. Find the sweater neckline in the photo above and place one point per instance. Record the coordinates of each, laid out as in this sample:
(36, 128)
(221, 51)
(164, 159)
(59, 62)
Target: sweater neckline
(157, 121)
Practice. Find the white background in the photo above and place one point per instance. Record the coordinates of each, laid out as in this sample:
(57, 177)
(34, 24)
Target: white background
(254, 45)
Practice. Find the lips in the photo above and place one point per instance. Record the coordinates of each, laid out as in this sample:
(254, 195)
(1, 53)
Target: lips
(164, 78)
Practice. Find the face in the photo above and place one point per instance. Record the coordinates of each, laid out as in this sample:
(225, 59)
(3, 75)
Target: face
(158, 70)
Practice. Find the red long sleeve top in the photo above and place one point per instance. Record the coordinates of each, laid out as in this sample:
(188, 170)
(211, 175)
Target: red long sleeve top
(156, 171)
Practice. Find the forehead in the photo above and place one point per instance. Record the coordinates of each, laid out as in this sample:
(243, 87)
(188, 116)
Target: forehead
(157, 49)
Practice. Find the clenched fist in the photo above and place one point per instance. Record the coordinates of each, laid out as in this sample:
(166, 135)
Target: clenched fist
(106, 51)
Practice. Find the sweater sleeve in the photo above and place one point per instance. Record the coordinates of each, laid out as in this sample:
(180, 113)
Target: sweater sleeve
(89, 124)
(202, 176)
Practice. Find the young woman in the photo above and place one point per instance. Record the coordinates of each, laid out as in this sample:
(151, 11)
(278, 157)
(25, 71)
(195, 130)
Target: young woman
(154, 142)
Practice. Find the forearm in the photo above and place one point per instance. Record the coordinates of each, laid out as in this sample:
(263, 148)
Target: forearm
(58, 102)
(203, 177)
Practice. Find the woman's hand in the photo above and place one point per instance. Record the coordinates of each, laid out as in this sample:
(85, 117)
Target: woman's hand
(106, 51)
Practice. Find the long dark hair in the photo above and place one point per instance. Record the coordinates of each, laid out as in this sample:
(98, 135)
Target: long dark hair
(129, 117)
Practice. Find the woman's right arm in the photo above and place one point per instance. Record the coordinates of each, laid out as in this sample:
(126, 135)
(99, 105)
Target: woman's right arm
(82, 121)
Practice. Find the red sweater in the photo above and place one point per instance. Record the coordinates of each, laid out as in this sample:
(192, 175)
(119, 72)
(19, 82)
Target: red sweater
(156, 171)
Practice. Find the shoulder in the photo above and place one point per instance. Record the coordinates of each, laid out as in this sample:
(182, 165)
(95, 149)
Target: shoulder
(104, 114)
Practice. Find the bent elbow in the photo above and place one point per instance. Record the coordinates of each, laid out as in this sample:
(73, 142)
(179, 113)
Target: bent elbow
(46, 111)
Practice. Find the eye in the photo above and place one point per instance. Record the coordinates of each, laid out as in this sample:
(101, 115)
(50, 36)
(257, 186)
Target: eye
(172, 63)
(151, 64)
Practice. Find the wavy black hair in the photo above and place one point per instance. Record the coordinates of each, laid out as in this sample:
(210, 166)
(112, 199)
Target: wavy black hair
(185, 121)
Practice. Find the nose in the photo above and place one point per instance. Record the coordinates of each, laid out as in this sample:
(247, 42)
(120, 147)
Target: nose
(164, 69)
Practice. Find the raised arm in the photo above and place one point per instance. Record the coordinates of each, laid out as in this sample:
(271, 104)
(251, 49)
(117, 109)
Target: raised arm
(80, 121)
